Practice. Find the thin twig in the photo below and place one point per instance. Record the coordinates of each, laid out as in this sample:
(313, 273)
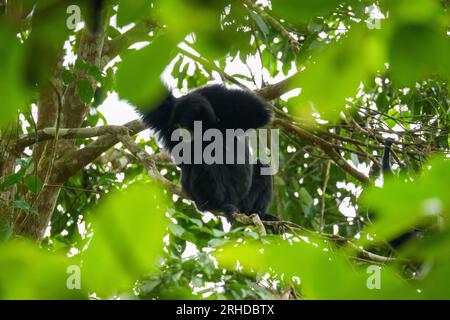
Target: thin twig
(324, 192)
(362, 253)
(295, 45)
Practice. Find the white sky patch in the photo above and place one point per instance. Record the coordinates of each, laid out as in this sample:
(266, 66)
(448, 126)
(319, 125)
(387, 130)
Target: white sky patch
(346, 208)
(374, 12)
(335, 229)
(363, 167)
(291, 94)
(116, 111)
(190, 250)
(432, 206)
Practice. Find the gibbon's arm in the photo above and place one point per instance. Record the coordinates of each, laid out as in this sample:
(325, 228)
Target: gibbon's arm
(237, 109)
(386, 164)
(158, 119)
(216, 105)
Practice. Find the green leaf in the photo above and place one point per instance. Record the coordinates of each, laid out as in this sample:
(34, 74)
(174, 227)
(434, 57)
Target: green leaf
(306, 201)
(108, 82)
(6, 233)
(400, 205)
(176, 230)
(176, 67)
(138, 76)
(11, 180)
(418, 51)
(67, 77)
(95, 73)
(12, 82)
(85, 91)
(33, 183)
(100, 96)
(81, 65)
(23, 205)
(260, 23)
(339, 70)
(130, 11)
(323, 274)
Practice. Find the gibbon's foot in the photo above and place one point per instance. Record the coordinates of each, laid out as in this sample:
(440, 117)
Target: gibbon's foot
(228, 210)
(267, 217)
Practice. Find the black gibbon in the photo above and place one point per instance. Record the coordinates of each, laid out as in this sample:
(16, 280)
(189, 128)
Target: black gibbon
(229, 188)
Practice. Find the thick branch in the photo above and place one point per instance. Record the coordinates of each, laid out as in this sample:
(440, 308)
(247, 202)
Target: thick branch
(72, 133)
(71, 163)
(276, 90)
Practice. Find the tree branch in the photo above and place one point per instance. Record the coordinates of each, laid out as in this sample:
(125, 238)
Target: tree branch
(276, 90)
(211, 67)
(362, 253)
(295, 45)
(149, 164)
(71, 163)
(140, 32)
(71, 133)
(327, 147)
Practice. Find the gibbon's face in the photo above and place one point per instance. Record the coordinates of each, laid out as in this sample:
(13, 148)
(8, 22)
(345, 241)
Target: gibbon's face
(193, 108)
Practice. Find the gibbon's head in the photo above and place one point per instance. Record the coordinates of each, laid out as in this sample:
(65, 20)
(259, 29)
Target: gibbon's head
(190, 108)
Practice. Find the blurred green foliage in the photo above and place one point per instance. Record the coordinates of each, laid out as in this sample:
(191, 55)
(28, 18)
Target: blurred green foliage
(31, 273)
(113, 260)
(424, 199)
(12, 83)
(324, 271)
(149, 88)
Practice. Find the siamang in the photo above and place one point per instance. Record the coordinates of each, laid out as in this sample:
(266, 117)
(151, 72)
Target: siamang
(229, 188)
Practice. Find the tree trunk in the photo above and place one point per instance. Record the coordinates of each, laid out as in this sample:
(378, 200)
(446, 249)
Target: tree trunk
(60, 108)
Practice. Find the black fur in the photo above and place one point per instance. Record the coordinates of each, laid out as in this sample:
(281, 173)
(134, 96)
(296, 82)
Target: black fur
(95, 22)
(386, 164)
(218, 187)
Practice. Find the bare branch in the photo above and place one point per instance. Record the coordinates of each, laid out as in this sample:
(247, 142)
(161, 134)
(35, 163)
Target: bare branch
(67, 133)
(295, 45)
(140, 32)
(325, 146)
(362, 253)
(211, 67)
(324, 193)
(149, 164)
(72, 162)
(276, 90)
